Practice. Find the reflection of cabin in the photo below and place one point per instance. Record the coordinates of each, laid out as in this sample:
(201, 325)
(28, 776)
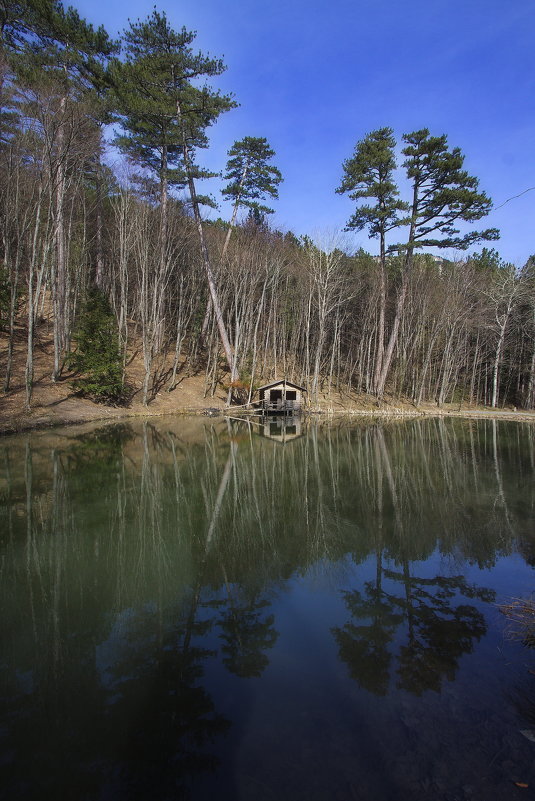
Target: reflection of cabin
(279, 429)
(280, 397)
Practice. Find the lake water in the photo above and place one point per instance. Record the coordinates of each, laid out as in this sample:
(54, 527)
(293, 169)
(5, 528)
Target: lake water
(207, 609)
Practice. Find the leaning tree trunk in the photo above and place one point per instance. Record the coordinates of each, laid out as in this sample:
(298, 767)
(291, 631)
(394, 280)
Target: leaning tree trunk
(392, 340)
(402, 296)
(235, 211)
(59, 278)
(227, 347)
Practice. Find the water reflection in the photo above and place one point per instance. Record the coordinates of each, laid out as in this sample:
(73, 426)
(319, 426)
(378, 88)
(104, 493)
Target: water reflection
(143, 563)
(280, 429)
(437, 630)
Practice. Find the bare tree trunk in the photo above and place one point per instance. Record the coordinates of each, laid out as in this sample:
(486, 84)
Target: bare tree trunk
(400, 304)
(28, 378)
(234, 211)
(392, 341)
(99, 266)
(59, 274)
(502, 325)
(530, 391)
(227, 348)
(378, 387)
(496, 366)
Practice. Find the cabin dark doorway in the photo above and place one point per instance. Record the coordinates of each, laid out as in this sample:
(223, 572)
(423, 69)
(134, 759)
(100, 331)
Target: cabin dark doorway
(276, 395)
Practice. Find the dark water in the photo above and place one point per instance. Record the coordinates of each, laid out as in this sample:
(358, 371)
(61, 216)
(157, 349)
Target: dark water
(201, 609)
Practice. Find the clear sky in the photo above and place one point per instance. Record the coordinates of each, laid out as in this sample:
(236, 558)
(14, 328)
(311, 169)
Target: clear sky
(314, 77)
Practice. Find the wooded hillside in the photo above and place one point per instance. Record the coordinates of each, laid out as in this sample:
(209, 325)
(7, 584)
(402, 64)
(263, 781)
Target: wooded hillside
(123, 261)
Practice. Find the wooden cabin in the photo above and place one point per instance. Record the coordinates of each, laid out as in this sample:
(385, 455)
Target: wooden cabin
(280, 397)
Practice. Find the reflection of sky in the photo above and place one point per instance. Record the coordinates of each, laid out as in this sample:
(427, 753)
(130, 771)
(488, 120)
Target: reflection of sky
(314, 77)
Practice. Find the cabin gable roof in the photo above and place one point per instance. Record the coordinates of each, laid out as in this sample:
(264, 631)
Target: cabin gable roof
(281, 383)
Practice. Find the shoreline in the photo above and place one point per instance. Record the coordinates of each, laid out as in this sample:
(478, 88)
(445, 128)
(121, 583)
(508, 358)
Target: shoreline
(24, 424)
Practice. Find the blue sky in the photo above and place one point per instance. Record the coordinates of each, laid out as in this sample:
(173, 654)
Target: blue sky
(314, 77)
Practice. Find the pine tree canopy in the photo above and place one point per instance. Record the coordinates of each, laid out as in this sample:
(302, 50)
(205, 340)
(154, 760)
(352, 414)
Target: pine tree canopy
(250, 177)
(443, 194)
(161, 106)
(369, 174)
(59, 42)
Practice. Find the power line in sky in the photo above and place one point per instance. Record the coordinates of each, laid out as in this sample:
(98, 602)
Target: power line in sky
(514, 197)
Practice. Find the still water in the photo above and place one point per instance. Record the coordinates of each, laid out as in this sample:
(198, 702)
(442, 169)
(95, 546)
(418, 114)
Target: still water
(200, 609)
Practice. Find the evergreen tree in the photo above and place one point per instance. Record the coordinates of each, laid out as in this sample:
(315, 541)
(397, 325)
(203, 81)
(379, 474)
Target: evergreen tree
(250, 178)
(97, 356)
(159, 107)
(13, 23)
(160, 79)
(368, 174)
(256, 221)
(62, 64)
(443, 196)
(143, 83)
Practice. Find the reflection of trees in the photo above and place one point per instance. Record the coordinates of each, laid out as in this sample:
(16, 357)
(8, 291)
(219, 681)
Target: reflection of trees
(364, 645)
(246, 632)
(520, 628)
(182, 534)
(162, 720)
(92, 541)
(438, 631)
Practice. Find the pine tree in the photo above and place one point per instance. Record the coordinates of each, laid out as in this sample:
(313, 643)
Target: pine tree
(443, 196)
(97, 356)
(160, 94)
(250, 178)
(368, 174)
(143, 85)
(64, 59)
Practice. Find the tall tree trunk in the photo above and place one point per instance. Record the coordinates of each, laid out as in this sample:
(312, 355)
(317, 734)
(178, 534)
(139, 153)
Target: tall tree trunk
(59, 275)
(530, 391)
(227, 348)
(402, 295)
(502, 323)
(392, 340)
(14, 287)
(380, 350)
(496, 366)
(99, 261)
(234, 211)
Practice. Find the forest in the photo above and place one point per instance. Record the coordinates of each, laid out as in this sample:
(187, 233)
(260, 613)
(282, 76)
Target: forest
(124, 260)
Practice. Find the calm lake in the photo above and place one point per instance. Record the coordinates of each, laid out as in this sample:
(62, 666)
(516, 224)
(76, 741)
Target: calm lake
(211, 609)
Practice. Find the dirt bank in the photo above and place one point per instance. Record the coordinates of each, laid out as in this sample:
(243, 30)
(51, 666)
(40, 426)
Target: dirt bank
(56, 404)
